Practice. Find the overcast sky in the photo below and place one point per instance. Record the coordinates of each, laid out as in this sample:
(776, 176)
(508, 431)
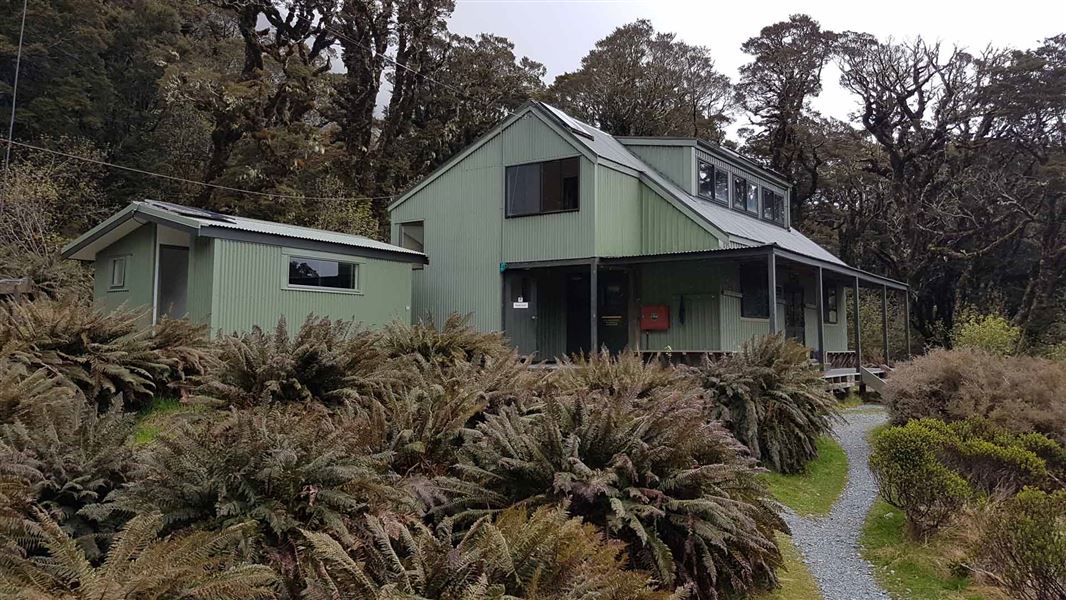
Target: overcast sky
(558, 33)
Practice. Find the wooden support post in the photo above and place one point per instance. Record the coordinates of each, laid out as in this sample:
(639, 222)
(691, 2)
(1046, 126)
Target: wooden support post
(820, 295)
(884, 324)
(594, 297)
(771, 293)
(907, 321)
(858, 326)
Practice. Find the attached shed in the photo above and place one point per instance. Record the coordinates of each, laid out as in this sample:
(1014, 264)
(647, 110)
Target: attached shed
(233, 273)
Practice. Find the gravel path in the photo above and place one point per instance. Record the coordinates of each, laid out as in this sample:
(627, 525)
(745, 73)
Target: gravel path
(830, 544)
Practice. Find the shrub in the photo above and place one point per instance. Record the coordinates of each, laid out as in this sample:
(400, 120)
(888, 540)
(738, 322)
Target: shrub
(23, 390)
(517, 555)
(626, 374)
(327, 361)
(990, 333)
(71, 459)
(287, 469)
(911, 478)
(455, 341)
(139, 565)
(1024, 544)
(105, 354)
(772, 399)
(678, 490)
(1020, 394)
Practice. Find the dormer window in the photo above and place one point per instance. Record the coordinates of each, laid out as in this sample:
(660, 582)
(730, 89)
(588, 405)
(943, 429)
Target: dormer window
(713, 183)
(773, 206)
(544, 187)
(745, 195)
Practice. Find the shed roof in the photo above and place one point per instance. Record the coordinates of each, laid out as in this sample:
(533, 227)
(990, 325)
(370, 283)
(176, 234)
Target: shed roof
(207, 223)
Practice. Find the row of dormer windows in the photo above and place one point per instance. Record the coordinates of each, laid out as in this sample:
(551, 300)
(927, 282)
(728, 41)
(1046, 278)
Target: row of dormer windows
(730, 189)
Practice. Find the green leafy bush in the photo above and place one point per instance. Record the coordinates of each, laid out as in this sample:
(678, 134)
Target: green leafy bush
(989, 333)
(23, 390)
(677, 489)
(105, 354)
(287, 469)
(456, 340)
(1020, 393)
(518, 555)
(772, 399)
(71, 458)
(626, 374)
(1024, 544)
(326, 361)
(911, 478)
(51, 564)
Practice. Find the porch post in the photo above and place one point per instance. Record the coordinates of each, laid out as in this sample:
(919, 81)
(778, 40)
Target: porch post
(819, 295)
(594, 330)
(907, 320)
(858, 326)
(884, 324)
(771, 295)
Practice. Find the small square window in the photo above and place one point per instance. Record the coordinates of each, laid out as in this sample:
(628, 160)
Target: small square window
(118, 272)
(831, 305)
(773, 206)
(754, 299)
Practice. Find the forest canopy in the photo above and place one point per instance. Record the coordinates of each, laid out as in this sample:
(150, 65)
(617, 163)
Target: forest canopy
(950, 176)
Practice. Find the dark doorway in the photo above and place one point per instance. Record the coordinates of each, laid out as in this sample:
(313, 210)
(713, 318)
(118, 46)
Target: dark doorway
(578, 303)
(520, 310)
(795, 319)
(173, 281)
(613, 310)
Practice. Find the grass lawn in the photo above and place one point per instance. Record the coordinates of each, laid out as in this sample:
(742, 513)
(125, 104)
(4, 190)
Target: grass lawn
(796, 582)
(815, 491)
(158, 416)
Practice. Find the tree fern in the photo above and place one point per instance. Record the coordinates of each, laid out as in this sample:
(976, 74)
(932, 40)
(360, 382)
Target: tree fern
(139, 565)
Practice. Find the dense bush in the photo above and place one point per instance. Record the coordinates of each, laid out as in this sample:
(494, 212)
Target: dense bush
(772, 399)
(287, 469)
(326, 361)
(990, 333)
(22, 390)
(911, 478)
(71, 458)
(1020, 394)
(107, 355)
(1024, 544)
(454, 341)
(543, 555)
(627, 374)
(199, 564)
(652, 472)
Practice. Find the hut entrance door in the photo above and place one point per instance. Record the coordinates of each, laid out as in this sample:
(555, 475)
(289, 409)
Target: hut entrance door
(520, 310)
(795, 321)
(173, 281)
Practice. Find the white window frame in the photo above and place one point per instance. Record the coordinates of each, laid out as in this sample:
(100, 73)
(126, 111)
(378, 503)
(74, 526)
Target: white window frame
(112, 263)
(357, 262)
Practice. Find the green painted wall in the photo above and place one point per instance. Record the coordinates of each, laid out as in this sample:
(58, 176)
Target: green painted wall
(201, 281)
(618, 213)
(696, 284)
(664, 229)
(250, 288)
(676, 163)
(467, 235)
(139, 249)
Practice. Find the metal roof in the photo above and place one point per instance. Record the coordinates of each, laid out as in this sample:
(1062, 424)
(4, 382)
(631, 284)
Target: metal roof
(752, 230)
(212, 224)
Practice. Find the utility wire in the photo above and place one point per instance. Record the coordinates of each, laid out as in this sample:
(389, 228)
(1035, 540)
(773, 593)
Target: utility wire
(184, 180)
(15, 90)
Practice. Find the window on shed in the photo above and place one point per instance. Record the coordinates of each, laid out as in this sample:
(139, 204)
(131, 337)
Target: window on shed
(118, 272)
(545, 187)
(831, 304)
(755, 299)
(321, 273)
(773, 206)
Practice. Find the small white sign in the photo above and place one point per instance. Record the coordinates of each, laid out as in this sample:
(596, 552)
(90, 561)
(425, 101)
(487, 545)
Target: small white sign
(520, 305)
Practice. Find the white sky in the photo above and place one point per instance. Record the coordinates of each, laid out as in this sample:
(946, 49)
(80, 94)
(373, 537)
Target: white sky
(558, 33)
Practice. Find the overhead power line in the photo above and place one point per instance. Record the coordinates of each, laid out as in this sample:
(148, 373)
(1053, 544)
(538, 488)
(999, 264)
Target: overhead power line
(190, 181)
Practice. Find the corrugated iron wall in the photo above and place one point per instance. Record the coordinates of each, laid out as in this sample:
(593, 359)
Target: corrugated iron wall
(693, 284)
(673, 162)
(664, 229)
(139, 249)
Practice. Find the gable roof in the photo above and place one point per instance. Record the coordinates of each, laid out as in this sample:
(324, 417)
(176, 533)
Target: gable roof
(205, 223)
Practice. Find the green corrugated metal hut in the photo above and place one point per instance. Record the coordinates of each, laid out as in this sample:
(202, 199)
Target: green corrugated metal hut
(233, 273)
(568, 238)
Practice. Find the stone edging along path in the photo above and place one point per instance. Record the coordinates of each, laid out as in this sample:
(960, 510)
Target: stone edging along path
(830, 544)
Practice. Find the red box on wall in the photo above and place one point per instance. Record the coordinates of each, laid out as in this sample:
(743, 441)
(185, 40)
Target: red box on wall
(654, 317)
